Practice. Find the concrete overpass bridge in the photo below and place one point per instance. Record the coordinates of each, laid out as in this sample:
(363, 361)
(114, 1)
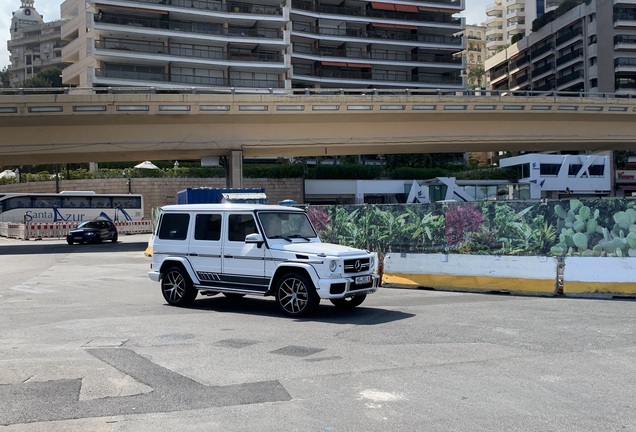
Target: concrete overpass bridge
(99, 125)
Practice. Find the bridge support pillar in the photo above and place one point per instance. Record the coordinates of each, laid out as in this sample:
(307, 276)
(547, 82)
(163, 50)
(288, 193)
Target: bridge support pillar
(236, 169)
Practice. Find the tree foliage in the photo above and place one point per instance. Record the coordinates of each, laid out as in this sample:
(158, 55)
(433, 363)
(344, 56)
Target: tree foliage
(5, 77)
(46, 78)
(425, 160)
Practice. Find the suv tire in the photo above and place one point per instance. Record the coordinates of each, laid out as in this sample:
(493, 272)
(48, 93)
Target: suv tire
(177, 288)
(296, 296)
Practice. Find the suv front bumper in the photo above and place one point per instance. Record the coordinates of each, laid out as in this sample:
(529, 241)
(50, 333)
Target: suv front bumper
(345, 287)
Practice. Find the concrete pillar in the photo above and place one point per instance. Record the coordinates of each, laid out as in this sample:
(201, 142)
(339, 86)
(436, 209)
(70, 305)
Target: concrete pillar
(236, 169)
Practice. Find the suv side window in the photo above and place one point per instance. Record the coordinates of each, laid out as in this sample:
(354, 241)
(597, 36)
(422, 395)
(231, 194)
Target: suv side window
(207, 227)
(240, 225)
(174, 226)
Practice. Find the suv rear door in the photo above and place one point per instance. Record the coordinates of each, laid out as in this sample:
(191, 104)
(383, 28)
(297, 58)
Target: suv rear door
(172, 234)
(206, 245)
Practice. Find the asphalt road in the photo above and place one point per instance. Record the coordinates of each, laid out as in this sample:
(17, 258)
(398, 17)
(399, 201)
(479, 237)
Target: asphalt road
(87, 343)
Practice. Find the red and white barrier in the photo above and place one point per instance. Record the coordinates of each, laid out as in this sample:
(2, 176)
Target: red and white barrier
(42, 230)
(134, 227)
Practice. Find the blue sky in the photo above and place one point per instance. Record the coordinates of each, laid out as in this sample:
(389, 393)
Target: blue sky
(50, 9)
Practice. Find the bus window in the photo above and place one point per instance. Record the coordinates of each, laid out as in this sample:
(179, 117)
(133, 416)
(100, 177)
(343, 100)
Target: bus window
(101, 202)
(127, 203)
(13, 203)
(47, 202)
(75, 202)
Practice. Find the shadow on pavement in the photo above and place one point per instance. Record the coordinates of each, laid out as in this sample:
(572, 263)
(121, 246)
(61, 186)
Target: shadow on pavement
(38, 247)
(328, 313)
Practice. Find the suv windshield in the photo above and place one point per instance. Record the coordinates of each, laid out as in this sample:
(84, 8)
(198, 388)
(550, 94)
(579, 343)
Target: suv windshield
(286, 225)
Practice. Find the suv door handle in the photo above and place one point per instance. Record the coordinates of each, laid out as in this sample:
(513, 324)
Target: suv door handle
(194, 254)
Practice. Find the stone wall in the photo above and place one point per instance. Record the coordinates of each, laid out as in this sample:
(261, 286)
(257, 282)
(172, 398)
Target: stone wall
(158, 192)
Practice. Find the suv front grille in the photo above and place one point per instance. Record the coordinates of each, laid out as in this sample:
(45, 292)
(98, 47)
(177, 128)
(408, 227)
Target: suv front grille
(356, 265)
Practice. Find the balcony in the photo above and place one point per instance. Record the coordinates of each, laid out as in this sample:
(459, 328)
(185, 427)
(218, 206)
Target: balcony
(399, 12)
(394, 33)
(365, 77)
(186, 51)
(521, 61)
(576, 54)
(624, 18)
(149, 78)
(494, 8)
(568, 79)
(392, 56)
(217, 6)
(569, 36)
(540, 51)
(625, 64)
(625, 42)
(199, 28)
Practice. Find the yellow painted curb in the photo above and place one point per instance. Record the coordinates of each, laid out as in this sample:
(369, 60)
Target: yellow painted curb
(473, 283)
(624, 288)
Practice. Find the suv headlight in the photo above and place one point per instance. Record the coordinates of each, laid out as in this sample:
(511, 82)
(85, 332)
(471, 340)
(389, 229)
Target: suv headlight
(333, 265)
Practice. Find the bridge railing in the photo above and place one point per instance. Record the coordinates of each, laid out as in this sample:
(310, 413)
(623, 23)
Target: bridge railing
(311, 91)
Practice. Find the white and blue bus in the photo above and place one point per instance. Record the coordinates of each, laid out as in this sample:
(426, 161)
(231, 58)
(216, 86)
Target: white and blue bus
(71, 206)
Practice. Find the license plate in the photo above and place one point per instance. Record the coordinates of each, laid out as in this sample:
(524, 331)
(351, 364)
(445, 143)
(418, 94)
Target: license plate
(77, 237)
(361, 280)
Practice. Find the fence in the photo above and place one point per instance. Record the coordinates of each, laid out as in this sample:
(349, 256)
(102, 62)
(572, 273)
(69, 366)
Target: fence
(575, 227)
(42, 230)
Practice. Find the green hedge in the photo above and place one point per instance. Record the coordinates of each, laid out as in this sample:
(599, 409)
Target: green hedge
(345, 171)
(407, 173)
(340, 171)
(273, 171)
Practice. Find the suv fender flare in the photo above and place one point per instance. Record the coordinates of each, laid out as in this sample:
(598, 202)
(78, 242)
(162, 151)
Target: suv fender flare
(168, 262)
(287, 267)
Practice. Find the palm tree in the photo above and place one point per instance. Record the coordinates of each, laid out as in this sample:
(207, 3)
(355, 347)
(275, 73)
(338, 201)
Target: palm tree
(475, 75)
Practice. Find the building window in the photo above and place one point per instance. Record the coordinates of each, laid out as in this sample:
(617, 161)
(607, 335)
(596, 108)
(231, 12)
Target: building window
(591, 17)
(592, 40)
(597, 170)
(574, 169)
(523, 170)
(549, 170)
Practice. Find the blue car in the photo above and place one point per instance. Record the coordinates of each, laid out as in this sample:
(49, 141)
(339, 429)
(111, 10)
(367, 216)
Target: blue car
(93, 231)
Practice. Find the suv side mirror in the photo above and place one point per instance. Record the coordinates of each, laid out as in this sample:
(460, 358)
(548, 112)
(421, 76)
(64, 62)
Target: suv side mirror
(254, 238)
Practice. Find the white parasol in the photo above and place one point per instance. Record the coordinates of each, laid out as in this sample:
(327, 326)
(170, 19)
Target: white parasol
(147, 165)
(7, 174)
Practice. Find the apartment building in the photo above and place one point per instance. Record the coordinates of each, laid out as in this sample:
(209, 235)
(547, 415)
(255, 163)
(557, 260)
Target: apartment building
(474, 55)
(509, 18)
(263, 43)
(590, 48)
(34, 45)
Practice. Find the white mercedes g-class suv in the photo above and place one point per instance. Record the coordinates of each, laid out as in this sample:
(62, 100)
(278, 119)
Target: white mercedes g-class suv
(252, 249)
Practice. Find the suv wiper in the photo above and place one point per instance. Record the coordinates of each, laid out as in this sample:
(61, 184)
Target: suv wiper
(280, 237)
(297, 236)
